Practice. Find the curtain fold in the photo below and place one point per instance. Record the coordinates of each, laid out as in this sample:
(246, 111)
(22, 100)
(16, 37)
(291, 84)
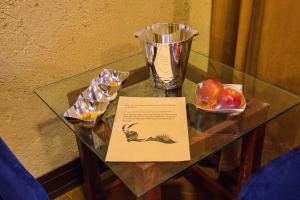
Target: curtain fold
(244, 27)
(261, 38)
(224, 24)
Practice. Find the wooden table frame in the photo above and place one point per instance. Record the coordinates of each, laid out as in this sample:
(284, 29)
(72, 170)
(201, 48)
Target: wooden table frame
(250, 158)
(250, 161)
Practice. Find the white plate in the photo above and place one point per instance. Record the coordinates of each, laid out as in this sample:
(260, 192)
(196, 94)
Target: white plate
(236, 87)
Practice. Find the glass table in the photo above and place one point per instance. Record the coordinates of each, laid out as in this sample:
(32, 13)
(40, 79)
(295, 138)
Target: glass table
(208, 132)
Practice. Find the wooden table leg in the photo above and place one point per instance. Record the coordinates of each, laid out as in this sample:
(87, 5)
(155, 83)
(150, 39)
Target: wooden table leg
(200, 179)
(92, 187)
(251, 155)
(260, 132)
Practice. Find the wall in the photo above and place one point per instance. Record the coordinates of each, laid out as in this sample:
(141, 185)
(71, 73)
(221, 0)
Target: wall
(45, 41)
(196, 13)
(200, 17)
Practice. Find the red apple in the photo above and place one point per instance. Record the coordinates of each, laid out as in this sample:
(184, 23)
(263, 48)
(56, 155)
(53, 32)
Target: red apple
(210, 92)
(230, 99)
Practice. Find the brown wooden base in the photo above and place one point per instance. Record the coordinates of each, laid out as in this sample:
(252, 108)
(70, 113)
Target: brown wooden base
(251, 152)
(199, 178)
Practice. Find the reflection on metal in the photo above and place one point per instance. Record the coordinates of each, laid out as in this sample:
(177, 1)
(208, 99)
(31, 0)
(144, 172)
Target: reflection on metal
(167, 48)
(93, 101)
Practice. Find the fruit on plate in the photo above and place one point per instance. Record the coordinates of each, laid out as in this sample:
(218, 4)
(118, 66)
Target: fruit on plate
(230, 99)
(210, 92)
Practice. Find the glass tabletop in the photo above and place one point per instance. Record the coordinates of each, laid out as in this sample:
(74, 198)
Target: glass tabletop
(208, 132)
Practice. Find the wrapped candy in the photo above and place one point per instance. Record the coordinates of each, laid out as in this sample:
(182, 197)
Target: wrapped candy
(93, 101)
(211, 95)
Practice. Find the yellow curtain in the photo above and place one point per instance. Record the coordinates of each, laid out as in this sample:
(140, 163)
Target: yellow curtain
(266, 41)
(224, 23)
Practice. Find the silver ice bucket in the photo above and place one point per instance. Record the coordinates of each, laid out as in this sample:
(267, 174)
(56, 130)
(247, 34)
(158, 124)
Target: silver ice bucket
(167, 48)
